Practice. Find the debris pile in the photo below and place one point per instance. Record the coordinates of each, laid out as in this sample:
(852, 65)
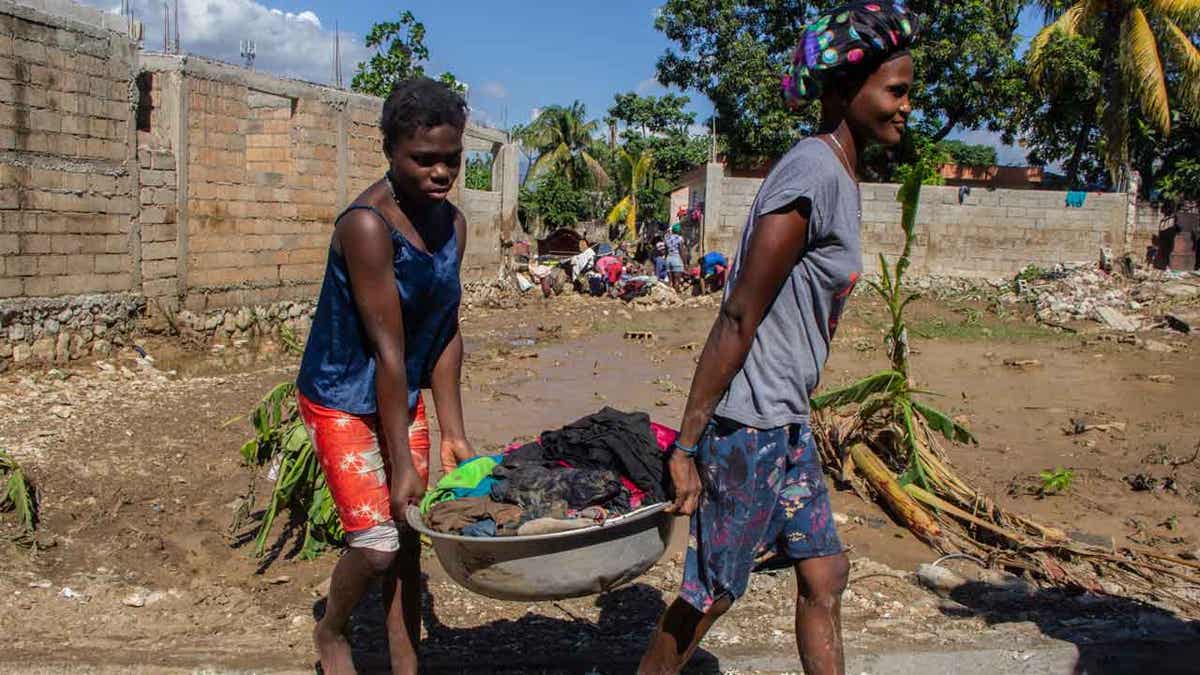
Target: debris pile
(1125, 302)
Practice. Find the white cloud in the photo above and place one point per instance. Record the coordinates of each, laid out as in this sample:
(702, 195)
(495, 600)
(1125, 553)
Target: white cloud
(286, 43)
(494, 90)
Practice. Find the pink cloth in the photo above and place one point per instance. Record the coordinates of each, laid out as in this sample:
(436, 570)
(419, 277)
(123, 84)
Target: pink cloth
(664, 435)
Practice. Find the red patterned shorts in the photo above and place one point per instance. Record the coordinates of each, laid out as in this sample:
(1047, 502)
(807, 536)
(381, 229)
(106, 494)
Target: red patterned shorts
(355, 460)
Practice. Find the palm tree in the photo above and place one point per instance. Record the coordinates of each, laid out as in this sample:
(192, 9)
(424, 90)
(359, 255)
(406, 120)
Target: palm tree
(635, 173)
(1135, 35)
(563, 137)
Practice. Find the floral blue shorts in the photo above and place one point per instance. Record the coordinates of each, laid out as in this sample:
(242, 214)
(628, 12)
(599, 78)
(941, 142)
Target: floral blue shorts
(763, 489)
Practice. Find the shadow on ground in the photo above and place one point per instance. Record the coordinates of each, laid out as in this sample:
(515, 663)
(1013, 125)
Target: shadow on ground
(534, 643)
(1113, 635)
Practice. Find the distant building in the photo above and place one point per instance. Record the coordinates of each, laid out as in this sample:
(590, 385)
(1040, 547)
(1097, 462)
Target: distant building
(1008, 177)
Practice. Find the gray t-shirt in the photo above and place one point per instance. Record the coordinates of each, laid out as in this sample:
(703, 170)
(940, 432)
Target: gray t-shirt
(792, 342)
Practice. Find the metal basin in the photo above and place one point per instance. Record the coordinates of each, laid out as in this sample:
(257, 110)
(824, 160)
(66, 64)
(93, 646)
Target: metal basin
(553, 566)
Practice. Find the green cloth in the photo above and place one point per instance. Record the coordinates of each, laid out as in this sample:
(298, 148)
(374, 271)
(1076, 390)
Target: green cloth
(466, 477)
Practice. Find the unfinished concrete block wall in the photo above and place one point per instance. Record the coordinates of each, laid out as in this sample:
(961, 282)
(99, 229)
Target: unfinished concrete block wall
(991, 233)
(269, 164)
(67, 183)
(177, 191)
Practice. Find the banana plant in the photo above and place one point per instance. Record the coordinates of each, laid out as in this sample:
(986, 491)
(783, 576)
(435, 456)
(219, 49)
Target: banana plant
(635, 173)
(281, 441)
(887, 397)
(17, 494)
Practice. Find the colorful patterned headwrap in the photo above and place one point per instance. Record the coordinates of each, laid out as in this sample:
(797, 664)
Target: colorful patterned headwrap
(857, 35)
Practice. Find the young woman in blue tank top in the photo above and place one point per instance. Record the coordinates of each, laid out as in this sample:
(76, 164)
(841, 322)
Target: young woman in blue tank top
(386, 326)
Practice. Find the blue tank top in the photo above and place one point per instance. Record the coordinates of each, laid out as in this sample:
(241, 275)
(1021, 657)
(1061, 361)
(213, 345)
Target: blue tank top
(338, 368)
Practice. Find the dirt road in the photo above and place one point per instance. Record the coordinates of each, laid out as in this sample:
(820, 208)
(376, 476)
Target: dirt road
(139, 475)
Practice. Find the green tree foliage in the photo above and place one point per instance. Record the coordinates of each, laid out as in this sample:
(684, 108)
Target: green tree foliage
(656, 126)
(659, 125)
(1149, 64)
(400, 53)
(554, 203)
(1182, 182)
(735, 51)
(969, 154)
(1058, 121)
(479, 173)
(652, 114)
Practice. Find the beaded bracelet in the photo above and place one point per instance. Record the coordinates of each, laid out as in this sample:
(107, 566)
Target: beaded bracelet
(688, 451)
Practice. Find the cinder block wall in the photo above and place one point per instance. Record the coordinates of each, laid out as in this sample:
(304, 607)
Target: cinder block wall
(269, 163)
(991, 233)
(68, 186)
(195, 194)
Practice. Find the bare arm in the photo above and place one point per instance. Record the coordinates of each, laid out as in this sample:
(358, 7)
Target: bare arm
(366, 245)
(446, 381)
(778, 241)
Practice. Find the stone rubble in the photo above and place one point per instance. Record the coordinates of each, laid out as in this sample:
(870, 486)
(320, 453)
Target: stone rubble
(1071, 292)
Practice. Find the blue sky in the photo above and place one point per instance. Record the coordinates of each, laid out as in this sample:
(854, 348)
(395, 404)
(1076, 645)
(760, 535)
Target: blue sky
(516, 56)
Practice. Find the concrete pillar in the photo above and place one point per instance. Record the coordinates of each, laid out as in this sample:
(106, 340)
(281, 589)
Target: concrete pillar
(714, 177)
(343, 154)
(506, 180)
(180, 143)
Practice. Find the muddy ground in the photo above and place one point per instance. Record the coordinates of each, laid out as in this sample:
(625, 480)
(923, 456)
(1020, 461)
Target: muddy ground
(139, 477)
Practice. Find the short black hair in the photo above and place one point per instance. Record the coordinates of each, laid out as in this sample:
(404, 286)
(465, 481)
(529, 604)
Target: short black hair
(419, 103)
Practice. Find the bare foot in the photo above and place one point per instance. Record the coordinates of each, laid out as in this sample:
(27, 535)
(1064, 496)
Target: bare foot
(333, 651)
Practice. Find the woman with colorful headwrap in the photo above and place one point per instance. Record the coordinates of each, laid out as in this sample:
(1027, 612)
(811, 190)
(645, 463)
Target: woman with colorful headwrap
(745, 466)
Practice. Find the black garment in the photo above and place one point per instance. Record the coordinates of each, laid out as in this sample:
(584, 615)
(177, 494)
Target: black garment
(547, 490)
(611, 439)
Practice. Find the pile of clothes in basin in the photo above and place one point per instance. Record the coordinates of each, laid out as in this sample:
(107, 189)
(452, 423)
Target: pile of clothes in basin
(596, 468)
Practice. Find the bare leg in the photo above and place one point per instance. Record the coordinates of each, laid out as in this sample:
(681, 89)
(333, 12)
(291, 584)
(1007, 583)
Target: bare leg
(402, 601)
(820, 582)
(678, 635)
(351, 576)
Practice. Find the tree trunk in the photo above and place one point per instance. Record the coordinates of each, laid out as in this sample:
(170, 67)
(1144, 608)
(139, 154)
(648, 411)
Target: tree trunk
(1085, 130)
(1116, 122)
(900, 503)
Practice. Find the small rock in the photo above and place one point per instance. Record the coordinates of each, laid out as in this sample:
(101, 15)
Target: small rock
(61, 412)
(939, 579)
(43, 583)
(1022, 364)
(1009, 583)
(1156, 346)
(136, 599)
(1162, 379)
(244, 319)
(279, 580)
(69, 593)
(841, 518)
(1181, 289)
(300, 620)
(1115, 319)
